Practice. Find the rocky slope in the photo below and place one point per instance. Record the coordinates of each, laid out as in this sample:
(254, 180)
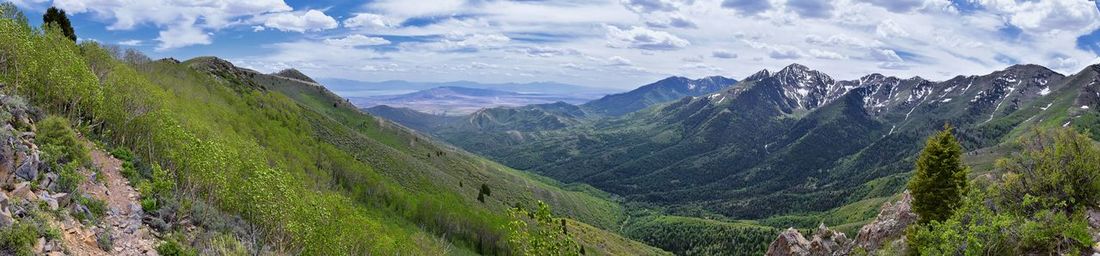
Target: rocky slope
(99, 216)
(887, 229)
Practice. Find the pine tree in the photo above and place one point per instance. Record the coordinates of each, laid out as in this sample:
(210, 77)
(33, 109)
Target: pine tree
(57, 16)
(940, 180)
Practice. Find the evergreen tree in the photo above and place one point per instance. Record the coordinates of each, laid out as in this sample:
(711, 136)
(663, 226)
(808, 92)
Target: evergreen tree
(57, 16)
(940, 180)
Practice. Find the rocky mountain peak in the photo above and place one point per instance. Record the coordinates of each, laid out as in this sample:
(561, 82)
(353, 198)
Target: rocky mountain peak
(759, 75)
(294, 74)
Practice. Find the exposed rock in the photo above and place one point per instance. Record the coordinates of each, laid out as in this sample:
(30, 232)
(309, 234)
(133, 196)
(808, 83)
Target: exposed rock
(888, 227)
(6, 220)
(829, 242)
(50, 200)
(28, 169)
(40, 245)
(790, 242)
(50, 181)
(890, 224)
(63, 199)
(23, 190)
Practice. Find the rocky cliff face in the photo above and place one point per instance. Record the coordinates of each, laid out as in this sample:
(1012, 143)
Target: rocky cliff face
(888, 227)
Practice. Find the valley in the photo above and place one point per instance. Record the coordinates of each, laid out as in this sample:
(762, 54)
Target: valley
(272, 128)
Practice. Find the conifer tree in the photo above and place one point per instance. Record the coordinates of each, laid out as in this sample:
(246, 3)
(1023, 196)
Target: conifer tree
(940, 180)
(57, 16)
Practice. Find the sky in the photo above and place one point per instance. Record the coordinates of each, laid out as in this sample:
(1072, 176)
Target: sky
(602, 43)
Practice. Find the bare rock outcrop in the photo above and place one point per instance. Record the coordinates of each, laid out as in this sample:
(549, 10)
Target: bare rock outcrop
(824, 242)
(888, 227)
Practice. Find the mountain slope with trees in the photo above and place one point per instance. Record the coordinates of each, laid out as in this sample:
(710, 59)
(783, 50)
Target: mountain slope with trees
(306, 170)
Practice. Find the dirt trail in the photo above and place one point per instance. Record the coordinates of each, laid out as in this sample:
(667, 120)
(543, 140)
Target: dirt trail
(123, 217)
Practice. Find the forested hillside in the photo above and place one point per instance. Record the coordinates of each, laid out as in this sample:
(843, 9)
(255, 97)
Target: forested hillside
(302, 167)
(793, 147)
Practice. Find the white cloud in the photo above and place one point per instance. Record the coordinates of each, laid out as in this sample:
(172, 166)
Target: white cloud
(389, 67)
(747, 7)
(181, 36)
(784, 52)
(184, 23)
(823, 54)
(701, 66)
(619, 61)
(356, 40)
(645, 6)
(368, 20)
(1049, 16)
(406, 9)
(132, 42)
(312, 20)
(258, 28)
(885, 55)
(888, 28)
(643, 38)
(840, 40)
(723, 54)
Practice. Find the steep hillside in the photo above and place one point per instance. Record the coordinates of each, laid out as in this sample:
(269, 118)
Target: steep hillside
(305, 170)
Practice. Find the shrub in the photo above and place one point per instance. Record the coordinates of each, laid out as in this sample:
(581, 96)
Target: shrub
(1058, 168)
(59, 142)
(69, 178)
(18, 239)
(173, 247)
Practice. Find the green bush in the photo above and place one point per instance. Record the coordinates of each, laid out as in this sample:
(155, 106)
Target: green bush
(59, 142)
(18, 239)
(69, 178)
(1036, 209)
(1059, 168)
(173, 247)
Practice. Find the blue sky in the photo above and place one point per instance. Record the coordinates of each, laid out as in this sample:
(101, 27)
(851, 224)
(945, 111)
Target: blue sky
(606, 43)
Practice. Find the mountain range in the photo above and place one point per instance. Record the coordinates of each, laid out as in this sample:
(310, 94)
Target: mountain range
(355, 88)
(452, 100)
(787, 143)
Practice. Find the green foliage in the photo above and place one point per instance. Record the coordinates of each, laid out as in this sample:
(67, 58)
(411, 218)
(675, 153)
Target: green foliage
(314, 179)
(18, 239)
(69, 178)
(537, 233)
(97, 207)
(172, 246)
(693, 236)
(940, 179)
(8, 10)
(59, 141)
(1037, 208)
(1056, 169)
(57, 17)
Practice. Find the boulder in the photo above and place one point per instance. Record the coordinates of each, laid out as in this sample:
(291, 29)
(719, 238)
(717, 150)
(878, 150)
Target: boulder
(829, 242)
(50, 181)
(6, 220)
(890, 224)
(63, 199)
(50, 201)
(40, 246)
(23, 190)
(28, 169)
(789, 243)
